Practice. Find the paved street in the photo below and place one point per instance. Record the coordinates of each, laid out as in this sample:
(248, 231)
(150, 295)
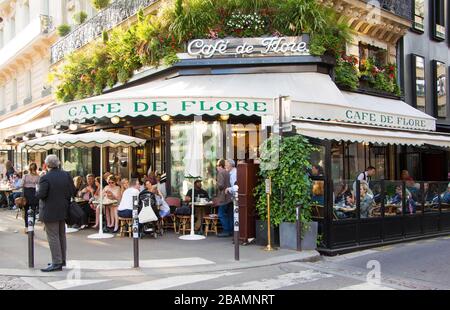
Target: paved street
(417, 265)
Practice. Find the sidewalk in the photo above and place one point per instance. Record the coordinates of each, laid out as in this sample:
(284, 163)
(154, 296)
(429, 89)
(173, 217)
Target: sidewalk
(114, 257)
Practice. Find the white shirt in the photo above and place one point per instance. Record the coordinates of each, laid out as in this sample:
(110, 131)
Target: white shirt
(233, 180)
(162, 189)
(127, 199)
(162, 203)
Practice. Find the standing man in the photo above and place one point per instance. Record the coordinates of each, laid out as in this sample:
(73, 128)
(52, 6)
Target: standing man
(230, 166)
(224, 199)
(365, 177)
(55, 190)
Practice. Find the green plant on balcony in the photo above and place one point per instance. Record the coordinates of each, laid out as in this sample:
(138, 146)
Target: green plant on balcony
(157, 38)
(382, 78)
(63, 30)
(100, 4)
(346, 72)
(80, 17)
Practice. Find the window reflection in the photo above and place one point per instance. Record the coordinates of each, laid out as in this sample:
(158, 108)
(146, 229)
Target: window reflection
(420, 85)
(441, 90)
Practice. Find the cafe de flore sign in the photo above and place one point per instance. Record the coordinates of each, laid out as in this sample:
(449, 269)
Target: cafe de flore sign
(249, 47)
(96, 109)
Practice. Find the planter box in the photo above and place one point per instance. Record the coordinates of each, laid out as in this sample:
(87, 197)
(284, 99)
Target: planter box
(261, 234)
(288, 236)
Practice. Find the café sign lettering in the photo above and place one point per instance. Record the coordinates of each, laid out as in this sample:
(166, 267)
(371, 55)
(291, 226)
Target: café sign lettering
(271, 46)
(161, 106)
(386, 120)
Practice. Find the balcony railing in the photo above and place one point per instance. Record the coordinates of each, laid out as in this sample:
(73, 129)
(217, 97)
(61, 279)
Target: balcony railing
(402, 8)
(105, 20)
(37, 27)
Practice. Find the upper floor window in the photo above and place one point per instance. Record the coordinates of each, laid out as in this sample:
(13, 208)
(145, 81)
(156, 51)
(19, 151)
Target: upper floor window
(419, 15)
(367, 51)
(14, 95)
(438, 19)
(26, 14)
(419, 85)
(440, 93)
(2, 99)
(12, 28)
(28, 84)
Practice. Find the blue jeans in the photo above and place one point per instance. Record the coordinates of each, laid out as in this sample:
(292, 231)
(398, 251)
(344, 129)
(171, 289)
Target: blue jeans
(226, 217)
(126, 214)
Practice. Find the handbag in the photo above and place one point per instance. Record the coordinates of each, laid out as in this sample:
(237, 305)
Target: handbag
(74, 214)
(147, 214)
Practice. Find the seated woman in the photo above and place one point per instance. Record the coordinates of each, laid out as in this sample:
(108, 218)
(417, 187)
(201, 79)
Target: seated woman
(344, 193)
(397, 199)
(366, 201)
(318, 193)
(164, 209)
(125, 209)
(147, 196)
(431, 193)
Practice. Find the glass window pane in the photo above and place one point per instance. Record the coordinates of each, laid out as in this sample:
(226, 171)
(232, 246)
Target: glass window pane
(394, 199)
(180, 135)
(420, 83)
(344, 204)
(441, 89)
(419, 14)
(337, 161)
(318, 161)
(431, 192)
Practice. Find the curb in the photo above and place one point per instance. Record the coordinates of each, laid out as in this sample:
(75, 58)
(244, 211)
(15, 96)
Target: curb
(310, 256)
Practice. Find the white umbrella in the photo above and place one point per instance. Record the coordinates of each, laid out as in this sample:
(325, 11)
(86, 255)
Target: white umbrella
(103, 139)
(193, 163)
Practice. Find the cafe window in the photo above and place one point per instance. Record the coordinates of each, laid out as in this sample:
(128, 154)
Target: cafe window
(438, 19)
(77, 161)
(367, 51)
(152, 156)
(440, 92)
(419, 85)
(182, 147)
(419, 15)
(243, 141)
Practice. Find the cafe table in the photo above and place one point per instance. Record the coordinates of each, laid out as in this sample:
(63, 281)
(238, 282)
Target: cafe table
(6, 190)
(200, 212)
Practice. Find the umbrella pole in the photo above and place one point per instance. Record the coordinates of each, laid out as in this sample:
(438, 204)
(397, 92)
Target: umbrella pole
(193, 205)
(100, 216)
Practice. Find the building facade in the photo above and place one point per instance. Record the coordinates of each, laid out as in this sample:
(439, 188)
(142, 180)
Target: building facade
(27, 31)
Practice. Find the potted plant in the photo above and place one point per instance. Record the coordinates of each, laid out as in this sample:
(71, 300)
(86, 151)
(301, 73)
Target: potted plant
(63, 30)
(286, 164)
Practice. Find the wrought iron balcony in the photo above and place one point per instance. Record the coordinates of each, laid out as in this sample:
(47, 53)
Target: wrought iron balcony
(105, 20)
(402, 8)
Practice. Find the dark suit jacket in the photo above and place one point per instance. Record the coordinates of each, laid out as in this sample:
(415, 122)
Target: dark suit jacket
(56, 188)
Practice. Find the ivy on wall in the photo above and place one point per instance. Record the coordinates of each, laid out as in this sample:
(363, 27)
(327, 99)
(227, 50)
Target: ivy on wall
(287, 164)
(156, 39)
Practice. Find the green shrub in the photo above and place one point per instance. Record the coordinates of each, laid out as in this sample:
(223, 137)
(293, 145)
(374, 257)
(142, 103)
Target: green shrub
(100, 4)
(63, 30)
(80, 17)
(346, 74)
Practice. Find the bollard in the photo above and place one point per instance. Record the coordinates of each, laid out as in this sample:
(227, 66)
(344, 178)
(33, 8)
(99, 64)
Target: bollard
(236, 225)
(136, 231)
(30, 220)
(299, 229)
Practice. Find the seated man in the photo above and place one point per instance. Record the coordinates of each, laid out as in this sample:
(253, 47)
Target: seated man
(198, 192)
(147, 196)
(125, 209)
(16, 185)
(445, 198)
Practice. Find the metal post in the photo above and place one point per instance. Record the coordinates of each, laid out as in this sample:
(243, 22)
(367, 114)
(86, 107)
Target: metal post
(268, 192)
(299, 228)
(236, 225)
(136, 231)
(30, 220)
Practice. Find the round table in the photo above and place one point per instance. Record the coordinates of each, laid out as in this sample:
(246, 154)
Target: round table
(200, 212)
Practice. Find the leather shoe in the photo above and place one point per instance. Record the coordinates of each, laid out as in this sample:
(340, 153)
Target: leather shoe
(63, 263)
(53, 267)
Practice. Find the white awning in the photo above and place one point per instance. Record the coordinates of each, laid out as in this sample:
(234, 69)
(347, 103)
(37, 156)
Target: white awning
(39, 123)
(368, 110)
(237, 94)
(25, 117)
(354, 133)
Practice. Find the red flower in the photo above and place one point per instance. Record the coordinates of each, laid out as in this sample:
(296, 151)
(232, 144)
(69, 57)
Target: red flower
(392, 76)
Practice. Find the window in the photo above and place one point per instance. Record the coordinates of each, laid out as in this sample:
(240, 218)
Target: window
(28, 85)
(418, 78)
(367, 51)
(12, 28)
(419, 15)
(440, 93)
(438, 19)
(2, 99)
(14, 93)
(26, 14)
